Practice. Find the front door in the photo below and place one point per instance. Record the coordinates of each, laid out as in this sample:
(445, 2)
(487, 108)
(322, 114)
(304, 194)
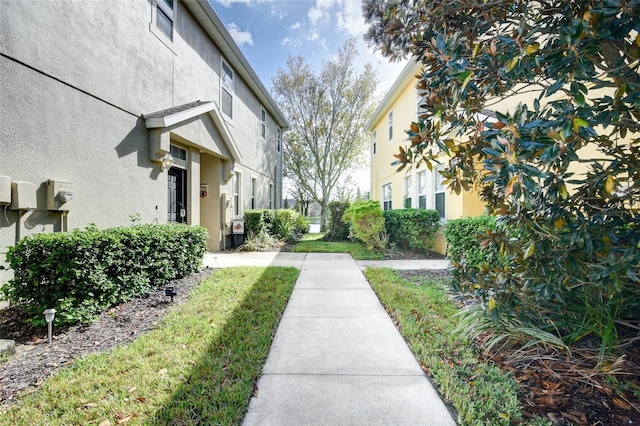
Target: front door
(177, 195)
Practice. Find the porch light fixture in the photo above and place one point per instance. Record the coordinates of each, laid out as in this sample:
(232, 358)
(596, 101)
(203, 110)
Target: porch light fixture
(166, 162)
(49, 315)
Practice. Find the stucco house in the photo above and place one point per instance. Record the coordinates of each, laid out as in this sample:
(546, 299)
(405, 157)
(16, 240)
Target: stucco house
(414, 187)
(145, 109)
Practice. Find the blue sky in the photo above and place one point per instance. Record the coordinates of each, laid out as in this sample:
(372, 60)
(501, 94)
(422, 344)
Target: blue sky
(268, 31)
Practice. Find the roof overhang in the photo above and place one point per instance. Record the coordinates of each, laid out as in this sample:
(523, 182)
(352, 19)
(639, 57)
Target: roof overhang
(406, 76)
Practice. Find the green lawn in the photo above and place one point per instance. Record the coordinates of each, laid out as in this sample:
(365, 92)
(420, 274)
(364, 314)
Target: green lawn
(312, 243)
(198, 366)
(480, 392)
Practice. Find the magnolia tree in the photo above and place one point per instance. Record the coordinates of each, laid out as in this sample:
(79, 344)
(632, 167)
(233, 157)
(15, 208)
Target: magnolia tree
(561, 169)
(327, 112)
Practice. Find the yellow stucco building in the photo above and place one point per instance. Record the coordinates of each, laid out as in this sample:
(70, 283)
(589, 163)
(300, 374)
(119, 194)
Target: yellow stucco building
(412, 187)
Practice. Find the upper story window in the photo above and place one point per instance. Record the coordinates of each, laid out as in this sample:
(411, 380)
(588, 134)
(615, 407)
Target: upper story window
(390, 126)
(386, 197)
(178, 153)
(439, 193)
(164, 17)
(419, 109)
(227, 90)
(263, 123)
(374, 143)
(408, 190)
(279, 141)
(422, 189)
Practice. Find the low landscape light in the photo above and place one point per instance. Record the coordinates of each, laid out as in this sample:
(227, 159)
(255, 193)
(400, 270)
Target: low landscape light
(49, 315)
(169, 291)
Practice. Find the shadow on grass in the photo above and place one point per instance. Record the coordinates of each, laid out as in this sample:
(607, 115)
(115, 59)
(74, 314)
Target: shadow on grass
(218, 387)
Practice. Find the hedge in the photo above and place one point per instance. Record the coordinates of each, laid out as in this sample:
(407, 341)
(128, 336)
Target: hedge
(84, 272)
(366, 224)
(413, 229)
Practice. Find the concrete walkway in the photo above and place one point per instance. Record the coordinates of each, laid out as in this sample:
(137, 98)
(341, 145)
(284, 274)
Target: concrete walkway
(337, 358)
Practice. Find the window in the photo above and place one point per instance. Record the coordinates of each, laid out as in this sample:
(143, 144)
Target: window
(422, 190)
(263, 123)
(439, 192)
(408, 190)
(386, 197)
(390, 126)
(253, 192)
(227, 90)
(373, 143)
(164, 17)
(271, 196)
(279, 141)
(237, 187)
(419, 109)
(178, 153)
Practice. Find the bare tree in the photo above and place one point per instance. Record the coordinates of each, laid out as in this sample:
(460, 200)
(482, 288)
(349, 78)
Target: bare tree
(327, 113)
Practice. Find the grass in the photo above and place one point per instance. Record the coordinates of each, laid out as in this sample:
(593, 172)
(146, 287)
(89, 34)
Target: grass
(198, 366)
(312, 243)
(480, 392)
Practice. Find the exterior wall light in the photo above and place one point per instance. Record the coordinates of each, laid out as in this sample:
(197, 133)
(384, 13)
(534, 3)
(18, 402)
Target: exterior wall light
(166, 162)
(49, 315)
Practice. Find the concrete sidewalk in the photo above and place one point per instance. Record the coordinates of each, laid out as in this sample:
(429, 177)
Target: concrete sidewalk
(337, 358)
(243, 258)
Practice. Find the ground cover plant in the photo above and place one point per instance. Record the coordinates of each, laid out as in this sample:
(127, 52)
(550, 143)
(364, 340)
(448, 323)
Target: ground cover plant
(480, 392)
(198, 366)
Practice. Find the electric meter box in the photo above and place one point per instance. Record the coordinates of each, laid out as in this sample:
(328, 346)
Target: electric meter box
(5, 190)
(23, 196)
(59, 195)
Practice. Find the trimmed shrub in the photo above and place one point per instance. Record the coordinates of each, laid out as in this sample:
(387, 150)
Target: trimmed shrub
(413, 229)
(337, 229)
(83, 272)
(463, 243)
(255, 220)
(366, 224)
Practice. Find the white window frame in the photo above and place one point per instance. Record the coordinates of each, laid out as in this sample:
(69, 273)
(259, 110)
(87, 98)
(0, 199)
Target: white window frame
(439, 189)
(390, 120)
(279, 139)
(224, 89)
(263, 123)
(387, 202)
(407, 201)
(161, 6)
(422, 189)
(374, 143)
(254, 184)
(237, 194)
(272, 195)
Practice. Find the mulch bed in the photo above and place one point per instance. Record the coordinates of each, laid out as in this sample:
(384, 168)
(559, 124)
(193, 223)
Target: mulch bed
(36, 359)
(569, 390)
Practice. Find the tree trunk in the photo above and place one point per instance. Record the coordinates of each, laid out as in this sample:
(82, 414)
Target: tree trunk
(323, 215)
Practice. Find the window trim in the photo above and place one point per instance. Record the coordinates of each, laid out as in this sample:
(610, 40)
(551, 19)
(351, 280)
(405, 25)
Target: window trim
(232, 94)
(272, 195)
(390, 123)
(253, 189)
(153, 25)
(374, 143)
(439, 188)
(237, 194)
(384, 199)
(263, 123)
(279, 139)
(422, 194)
(408, 190)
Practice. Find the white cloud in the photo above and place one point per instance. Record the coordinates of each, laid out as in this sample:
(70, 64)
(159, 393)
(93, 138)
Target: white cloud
(350, 18)
(229, 3)
(239, 36)
(293, 42)
(315, 15)
(295, 26)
